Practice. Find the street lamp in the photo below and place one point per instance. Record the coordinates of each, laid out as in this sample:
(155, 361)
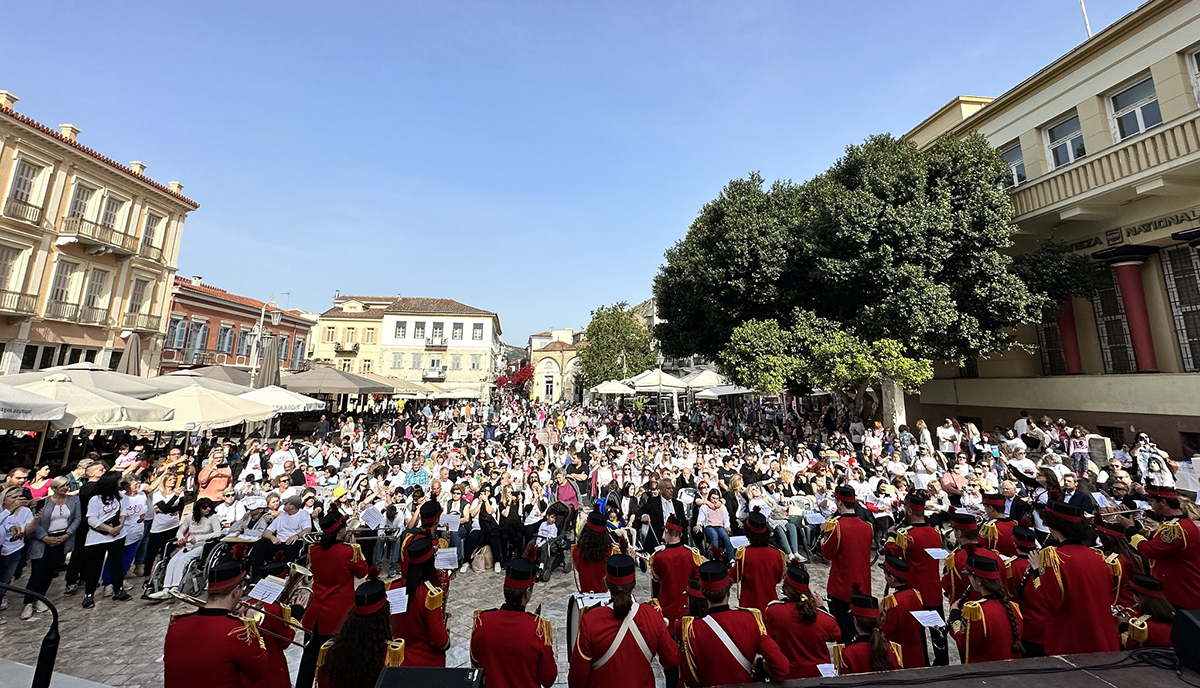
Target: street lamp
(276, 318)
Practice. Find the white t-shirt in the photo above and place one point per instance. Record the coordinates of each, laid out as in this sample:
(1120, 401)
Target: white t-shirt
(286, 525)
(19, 519)
(162, 522)
(135, 518)
(947, 438)
(98, 513)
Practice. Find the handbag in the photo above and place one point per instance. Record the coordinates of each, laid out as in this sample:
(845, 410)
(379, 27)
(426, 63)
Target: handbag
(482, 561)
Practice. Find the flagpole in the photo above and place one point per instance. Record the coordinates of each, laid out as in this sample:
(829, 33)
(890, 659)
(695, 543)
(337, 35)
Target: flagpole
(1086, 24)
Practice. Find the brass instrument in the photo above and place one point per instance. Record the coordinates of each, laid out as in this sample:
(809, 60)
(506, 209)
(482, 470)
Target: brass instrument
(298, 587)
(256, 618)
(1122, 614)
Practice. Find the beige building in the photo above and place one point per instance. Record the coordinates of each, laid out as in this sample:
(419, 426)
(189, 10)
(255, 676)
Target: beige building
(554, 358)
(1103, 147)
(88, 249)
(418, 339)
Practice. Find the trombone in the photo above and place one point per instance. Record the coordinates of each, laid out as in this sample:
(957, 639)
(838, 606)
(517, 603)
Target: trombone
(198, 603)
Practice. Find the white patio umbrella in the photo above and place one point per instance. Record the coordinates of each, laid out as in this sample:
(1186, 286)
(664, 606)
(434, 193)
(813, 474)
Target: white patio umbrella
(197, 408)
(704, 379)
(187, 378)
(707, 395)
(653, 380)
(731, 390)
(92, 376)
(23, 410)
(96, 409)
(613, 387)
(282, 400)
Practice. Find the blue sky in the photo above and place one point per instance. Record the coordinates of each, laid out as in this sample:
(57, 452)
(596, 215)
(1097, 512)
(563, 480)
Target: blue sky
(531, 158)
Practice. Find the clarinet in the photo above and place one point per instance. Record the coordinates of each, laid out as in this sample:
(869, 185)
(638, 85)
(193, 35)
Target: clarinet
(961, 601)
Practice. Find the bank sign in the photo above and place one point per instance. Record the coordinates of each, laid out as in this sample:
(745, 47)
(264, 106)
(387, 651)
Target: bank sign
(1184, 219)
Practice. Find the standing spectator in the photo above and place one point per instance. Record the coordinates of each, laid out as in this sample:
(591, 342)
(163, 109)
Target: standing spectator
(17, 523)
(216, 476)
(105, 539)
(52, 539)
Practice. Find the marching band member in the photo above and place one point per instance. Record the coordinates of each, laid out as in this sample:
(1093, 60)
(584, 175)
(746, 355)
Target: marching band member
(1173, 549)
(618, 640)
(966, 532)
(1150, 623)
(924, 572)
(846, 544)
(335, 565)
(869, 650)
(726, 634)
(430, 514)
(277, 620)
(512, 646)
(233, 651)
(671, 568)
(897, 622)
(362, 648)
(759, 567)
(1122, 559)
(1073, 585)
(423, 625)
(800, 627)
(1019, 581)
(996, 531)
(987, 629)
(589, 556)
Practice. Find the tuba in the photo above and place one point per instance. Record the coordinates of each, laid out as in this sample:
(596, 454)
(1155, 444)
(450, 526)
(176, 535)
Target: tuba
(298, 587)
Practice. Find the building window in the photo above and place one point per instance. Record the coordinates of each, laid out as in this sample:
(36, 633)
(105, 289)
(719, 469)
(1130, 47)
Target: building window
(225, 339)
(197, 340)
(346, 364)
(330, 334)
(1016, 165)
(79, 201)
(1135, 109)
(416, 362)
(283, 347)
(8, 263)
(401, 329)
(1111, 327)
(297, 352)
(245, 342)
(152, 222)
(1181, 269)
(20, 197)
(108, 216)
(1065, 141)
(93, 294)
(366, 365)
(419, 330)
(1050, 345)
(477, 332)
(476, 361)
(435, 362)
(456, 331)
(437, 330)
(350, 335)
(969, 368)
(176, 333)
(397, 360)
(455, 361)
(137, 297)
(60, 288)
(549, 386)
(369, 336)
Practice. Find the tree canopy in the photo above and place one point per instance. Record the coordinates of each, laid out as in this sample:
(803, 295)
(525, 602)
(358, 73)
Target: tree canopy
(1054, 271)
(618, 345)
(891, 243)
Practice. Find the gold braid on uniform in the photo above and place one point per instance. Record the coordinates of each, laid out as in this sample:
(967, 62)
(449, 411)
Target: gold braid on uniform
(1138, 629)
(839, 662)
(324, 653)
(394, 655)
(684, 639)
(899, 652)
(762, 629)
(1114, 564)
(433, 597)
(356, 553)
(901, 537)
(1048, 559)
(972, 612)
(248, 632)
(543, 631)
(989, 532)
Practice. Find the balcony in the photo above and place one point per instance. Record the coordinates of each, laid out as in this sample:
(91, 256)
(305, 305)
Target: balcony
(434, 374)
(345, 349)
(151, 252)
(92, 315)
(18, 304)
(435, 343)
(62, 310)
(23, 211)
(94, 234)
(140, 322)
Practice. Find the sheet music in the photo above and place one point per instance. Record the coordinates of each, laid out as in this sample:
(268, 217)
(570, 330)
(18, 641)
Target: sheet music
(929, 619)
(371, 518)
(827, 669)
(937, 553)
(446, 559)
(398, 600)
(739, 541)
(450, 521)
(814, 518)
(266, 590)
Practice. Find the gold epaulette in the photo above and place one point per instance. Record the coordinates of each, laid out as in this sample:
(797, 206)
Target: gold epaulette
(394, 656)
(653, 602)
(696, 558)
(1016, 609)
(838, 661)
(901, 537)
(1138, 629)
(285, 611)
(324, 653)
(543, 631)
(762, 628)
(443, 543)
(972, 611)
(433, 597)
(830, 525)
(356, 553)
(248, 632)
(888, 603)
(1171, 531)
(1048, 559)
(180, 614)
(988, 531)
(477, 622)
(685, 629)
(740, 555)
(918, 594)
(899, 652)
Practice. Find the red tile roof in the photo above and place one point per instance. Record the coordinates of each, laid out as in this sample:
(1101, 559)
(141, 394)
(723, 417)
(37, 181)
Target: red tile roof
(557, 346)
(102, 158)
(364, 314)
(185, 284)
(432, 306)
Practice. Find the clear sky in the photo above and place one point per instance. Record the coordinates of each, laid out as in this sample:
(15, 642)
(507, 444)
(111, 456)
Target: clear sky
(531, 158)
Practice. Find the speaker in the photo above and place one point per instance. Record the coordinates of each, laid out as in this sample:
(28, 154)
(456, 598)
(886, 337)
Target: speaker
(1185, 638)
(429, 677)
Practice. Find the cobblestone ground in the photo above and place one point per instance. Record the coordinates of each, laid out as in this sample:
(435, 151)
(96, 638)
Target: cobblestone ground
(120, 643)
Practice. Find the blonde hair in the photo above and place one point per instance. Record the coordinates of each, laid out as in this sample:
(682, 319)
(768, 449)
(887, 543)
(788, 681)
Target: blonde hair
(736, 482)
(60, 481)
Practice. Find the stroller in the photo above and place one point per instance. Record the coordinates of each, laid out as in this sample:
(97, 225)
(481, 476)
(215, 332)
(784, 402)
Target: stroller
(555, 550)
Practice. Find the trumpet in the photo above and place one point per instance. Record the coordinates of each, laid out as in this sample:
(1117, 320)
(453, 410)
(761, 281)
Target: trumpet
(198, 603)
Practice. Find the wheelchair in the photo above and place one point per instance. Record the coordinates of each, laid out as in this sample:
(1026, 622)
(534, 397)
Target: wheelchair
(556, 551)
(195, 574)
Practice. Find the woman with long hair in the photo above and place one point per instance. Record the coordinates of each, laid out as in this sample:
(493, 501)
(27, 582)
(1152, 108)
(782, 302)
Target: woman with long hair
(203, 526)
(364, 645)
(1048, 490)
(166, 505)
(38, 484)
(423, 625)
(590, 553)
(987, 629)
(1149, 623)
(105, 539)
(869, 650)
(1122, 559)
(335, 564)
(802, 629)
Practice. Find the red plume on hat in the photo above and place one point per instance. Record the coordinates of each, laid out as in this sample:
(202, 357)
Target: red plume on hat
(279, 556)
(715, 552)
(239, 551)
(531, 552)
(372, 572)
(623, 545)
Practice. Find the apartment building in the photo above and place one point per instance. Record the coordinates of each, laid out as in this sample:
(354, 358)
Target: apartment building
(208, 325)
(347, 336)
(1103, 147)
(88, 249)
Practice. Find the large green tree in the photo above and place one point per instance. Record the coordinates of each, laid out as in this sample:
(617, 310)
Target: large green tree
(1056, 273)
(618, 344)
(891, 243)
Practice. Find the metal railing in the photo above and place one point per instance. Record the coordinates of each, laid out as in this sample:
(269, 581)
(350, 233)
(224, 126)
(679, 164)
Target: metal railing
(341, 348)
(93, 315)
(18, 302)
(86, 229)
(21, 210)
(62, 310)
(1152, 148)
(436, 342)
(434, 373)
(140, 321)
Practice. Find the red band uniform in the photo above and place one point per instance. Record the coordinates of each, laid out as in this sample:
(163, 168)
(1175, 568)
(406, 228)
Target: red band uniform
(983, 630)
(804, 644)
(589, 575)
(1142, 630)
(369, 598)
(671, 568)
(758, 568)
(1174, 553)
(333, 573)
(273, 622)
(954, 583)
(846, 544)
(512, 646)
(1019, 581)
(422, 626)
(898, 624)
(996, 533)
(855, 657)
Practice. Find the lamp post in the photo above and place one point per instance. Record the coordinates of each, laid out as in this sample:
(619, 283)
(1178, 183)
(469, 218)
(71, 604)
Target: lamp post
(276, 318)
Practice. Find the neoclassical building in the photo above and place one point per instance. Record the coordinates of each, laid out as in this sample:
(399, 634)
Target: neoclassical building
(554, 357)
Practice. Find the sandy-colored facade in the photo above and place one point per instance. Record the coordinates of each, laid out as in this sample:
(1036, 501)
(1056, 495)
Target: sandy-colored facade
(347, 336)
(88, 249)
(1103, 147)
(554, 357)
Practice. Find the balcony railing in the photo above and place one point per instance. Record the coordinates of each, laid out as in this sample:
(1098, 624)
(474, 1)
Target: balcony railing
(95, 233)
(93, 315)
(22, 210)
(436, 342)
(140, 321)
(434, 374)
(151, 252)
(17, 303)
(62, 310)
(348, 349)
(1158, 146)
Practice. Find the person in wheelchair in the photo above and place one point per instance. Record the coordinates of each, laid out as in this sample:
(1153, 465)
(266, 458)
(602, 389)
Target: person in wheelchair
(254, 522)
(203, 526)
(285, 534)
